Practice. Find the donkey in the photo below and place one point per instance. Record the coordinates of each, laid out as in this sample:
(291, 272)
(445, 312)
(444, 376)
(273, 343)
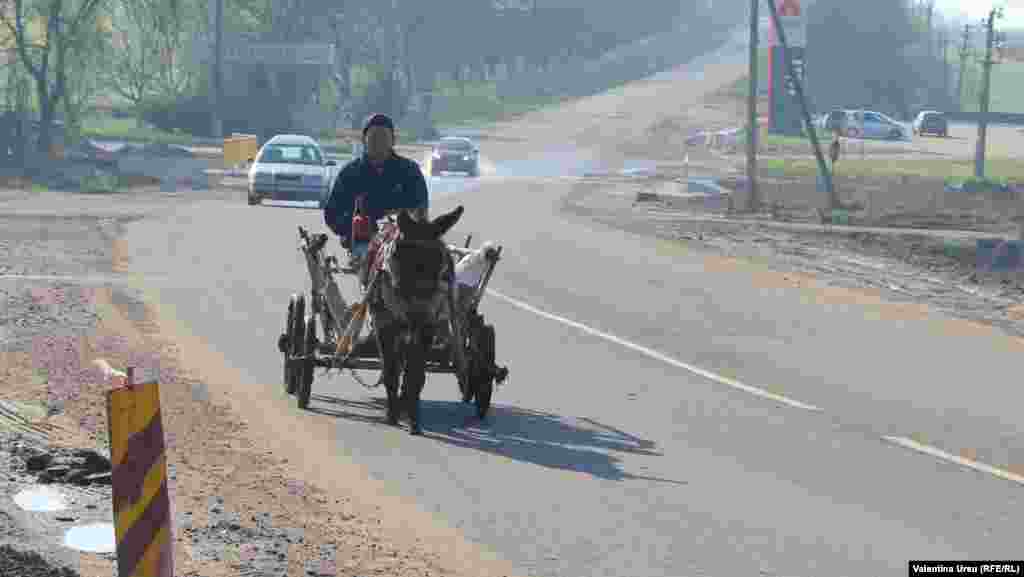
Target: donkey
(411, 302)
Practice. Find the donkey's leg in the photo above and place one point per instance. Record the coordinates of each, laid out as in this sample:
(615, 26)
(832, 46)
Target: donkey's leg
(387, 341)
(415, 376)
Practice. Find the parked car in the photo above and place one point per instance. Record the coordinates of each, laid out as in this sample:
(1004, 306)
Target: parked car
(931, 122)
(455, 154)
(290, 167)
(833, 120)
(871, 124)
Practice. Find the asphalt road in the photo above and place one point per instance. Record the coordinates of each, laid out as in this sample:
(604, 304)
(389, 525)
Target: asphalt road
(667, 413)
(603, 460)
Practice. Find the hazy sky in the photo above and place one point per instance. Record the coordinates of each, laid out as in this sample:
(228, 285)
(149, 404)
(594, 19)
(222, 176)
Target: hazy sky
(976, 10)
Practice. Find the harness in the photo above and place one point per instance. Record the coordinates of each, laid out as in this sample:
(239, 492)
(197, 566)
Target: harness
(378, 259)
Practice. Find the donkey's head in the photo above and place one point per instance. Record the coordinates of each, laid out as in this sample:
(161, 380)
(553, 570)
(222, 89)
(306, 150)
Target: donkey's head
(419, 266)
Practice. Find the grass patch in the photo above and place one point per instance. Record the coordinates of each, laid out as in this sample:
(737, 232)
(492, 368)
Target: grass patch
(480, 103)
(670, 248)
(474, 103)
(998, 169)
(789, 142)
(110, 128)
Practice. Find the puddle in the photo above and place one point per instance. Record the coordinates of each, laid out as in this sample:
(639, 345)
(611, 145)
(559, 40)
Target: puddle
(41, 498)
(94, 538)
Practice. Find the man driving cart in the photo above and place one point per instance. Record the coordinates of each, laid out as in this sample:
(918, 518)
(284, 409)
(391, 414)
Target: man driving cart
(380, 182)
(366, 191)
(377, 183)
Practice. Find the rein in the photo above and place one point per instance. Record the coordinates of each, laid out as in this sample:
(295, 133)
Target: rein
(380, 264)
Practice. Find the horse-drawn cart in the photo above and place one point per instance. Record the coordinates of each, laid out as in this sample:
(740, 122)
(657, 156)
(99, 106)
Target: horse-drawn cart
(330, 334)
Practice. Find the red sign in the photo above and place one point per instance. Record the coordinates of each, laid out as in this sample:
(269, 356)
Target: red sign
(788, 8)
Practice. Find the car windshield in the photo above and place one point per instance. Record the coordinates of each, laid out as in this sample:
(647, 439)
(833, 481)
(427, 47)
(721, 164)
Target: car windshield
(291, 154)
(455, 145)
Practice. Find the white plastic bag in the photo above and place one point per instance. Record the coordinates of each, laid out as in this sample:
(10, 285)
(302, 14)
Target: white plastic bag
(471, 268)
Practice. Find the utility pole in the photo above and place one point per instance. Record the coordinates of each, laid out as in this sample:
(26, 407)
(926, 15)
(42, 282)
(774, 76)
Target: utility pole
(986, 84)
(944, 43)
(753, 198)
(929, 11)
(823, 168)
(964, 53)
(218, 69)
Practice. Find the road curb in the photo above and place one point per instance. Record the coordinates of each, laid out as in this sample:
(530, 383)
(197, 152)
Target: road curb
(714, 200)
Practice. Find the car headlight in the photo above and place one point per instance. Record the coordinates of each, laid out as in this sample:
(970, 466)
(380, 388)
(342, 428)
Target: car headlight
(467, 157)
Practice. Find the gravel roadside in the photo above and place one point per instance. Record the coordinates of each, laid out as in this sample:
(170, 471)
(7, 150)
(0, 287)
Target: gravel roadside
(239, 508)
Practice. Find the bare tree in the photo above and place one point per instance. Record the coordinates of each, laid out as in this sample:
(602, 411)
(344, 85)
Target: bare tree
(148, 45)
(83, 85)
(66, 24)
(135, 56)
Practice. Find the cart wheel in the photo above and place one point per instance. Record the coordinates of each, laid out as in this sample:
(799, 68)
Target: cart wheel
(484, 384)
(466, 383)
(466, 379)
(283, 344)
(295, 346)
(307, 365)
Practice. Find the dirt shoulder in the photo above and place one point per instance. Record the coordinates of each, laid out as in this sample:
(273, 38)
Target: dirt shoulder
(940, 272)
(242, 505)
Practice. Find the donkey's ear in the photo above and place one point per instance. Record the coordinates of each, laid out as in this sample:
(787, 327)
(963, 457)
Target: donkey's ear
(445, 222)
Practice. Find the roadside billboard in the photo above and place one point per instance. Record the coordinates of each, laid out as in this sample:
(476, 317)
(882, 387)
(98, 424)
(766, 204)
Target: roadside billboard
(784, 114)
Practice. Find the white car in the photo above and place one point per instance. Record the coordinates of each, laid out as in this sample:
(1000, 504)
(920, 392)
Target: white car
(291, 167)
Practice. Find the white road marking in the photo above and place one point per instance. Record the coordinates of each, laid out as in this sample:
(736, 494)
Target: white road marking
(951, 458)
(655, 354)
(901, 441)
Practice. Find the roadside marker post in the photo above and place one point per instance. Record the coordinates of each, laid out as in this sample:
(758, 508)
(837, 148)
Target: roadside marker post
(142, 512)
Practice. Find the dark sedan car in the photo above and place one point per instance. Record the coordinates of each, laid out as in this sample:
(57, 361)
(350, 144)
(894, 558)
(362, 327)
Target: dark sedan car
(931, 122)
(455, 154)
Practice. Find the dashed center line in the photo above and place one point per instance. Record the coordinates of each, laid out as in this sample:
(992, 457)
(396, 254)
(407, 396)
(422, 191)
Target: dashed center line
(656, 355)
(951, 458)
(651, 353)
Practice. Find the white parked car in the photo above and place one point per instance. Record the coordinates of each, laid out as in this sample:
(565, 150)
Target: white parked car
(291, 167)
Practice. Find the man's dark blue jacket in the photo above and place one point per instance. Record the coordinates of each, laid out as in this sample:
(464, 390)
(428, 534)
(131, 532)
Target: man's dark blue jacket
(400, 185)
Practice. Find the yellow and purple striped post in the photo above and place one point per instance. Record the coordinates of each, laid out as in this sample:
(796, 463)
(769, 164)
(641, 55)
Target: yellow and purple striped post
(142, 518)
